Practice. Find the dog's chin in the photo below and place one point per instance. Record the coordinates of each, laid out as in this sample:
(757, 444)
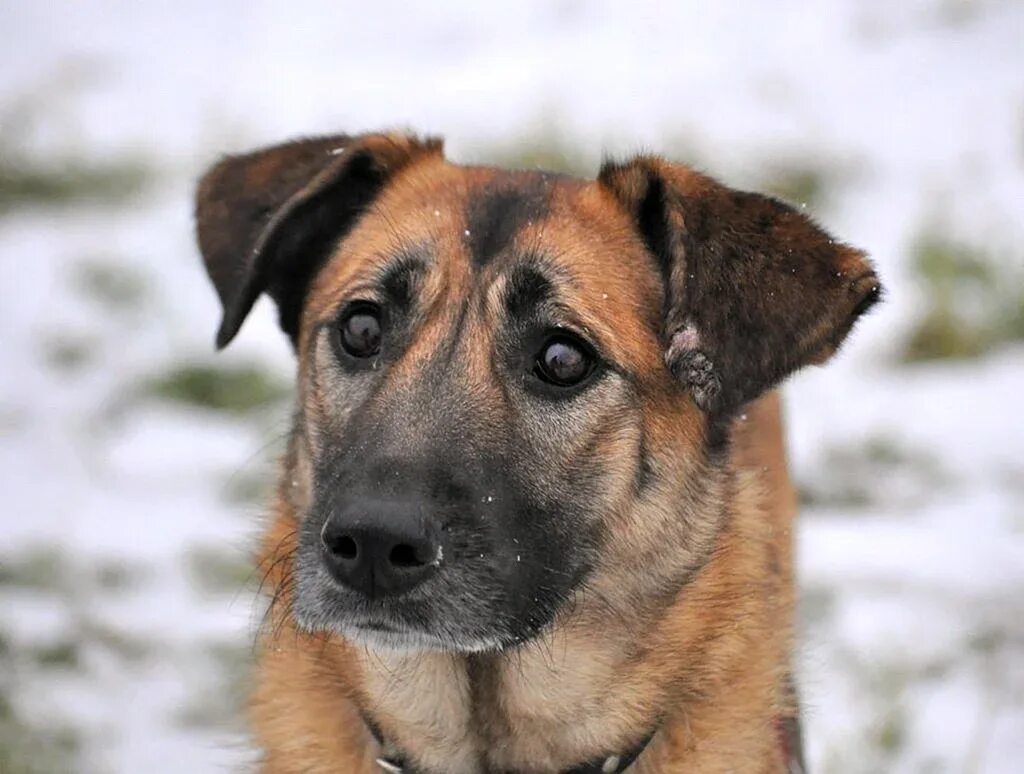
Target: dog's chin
(385, 631)
(380, 634)
(436, 620)
(376, 637)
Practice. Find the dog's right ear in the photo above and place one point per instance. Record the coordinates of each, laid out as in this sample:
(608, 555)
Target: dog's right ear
(267, 220)
(754, 289)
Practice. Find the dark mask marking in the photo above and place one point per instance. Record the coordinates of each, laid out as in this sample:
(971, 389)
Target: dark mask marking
(499, 210)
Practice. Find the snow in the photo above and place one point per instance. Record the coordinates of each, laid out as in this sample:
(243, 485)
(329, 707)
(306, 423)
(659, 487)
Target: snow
(912, 646)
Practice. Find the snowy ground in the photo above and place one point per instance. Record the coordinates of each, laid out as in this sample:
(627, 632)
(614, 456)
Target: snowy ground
(133, 461)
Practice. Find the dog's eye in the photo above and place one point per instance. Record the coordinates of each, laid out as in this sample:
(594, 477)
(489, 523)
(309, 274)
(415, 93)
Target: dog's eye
(360, 331)
(564, 361)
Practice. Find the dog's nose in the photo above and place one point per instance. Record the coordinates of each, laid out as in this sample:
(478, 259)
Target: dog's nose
(381, 550)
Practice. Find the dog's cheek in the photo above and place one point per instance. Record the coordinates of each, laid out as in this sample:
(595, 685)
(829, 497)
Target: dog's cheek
(466, 605)
(585, 456)
(578, 462)
(329, 398)
(670, 522)
(313, 393)
(309, 585)
(296, 484)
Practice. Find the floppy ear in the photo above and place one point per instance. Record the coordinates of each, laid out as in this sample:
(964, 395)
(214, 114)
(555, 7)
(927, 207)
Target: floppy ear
(267, 220)
(754, 289)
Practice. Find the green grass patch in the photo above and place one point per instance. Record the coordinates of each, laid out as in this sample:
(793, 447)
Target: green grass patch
(26, 746)
(214, 571)
(546, 147)
(549, 146)
(12, 420)
(127, 648)
(814, 605)
(29, 180)
(26, 181)
(48, 569)
(41, 569)
(62, 654)
(974, 300)
(891, 732)
(117, 575)
(63, 176)
(233, 389)
(889, 684)
(228, 666)
(110, 284)
(249, 488)
(808, 183)
(69, 353)
(861, 476)
(804, 185)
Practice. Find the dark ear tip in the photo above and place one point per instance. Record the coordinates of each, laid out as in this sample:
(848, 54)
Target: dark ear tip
(623, 177)
(225, 333)
(609, 168)
(869, 291)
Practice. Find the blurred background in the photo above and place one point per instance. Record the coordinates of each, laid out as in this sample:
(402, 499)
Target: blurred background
(134, 462)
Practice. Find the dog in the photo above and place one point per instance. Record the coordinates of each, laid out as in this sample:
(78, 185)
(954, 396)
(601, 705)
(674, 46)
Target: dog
(534, 515)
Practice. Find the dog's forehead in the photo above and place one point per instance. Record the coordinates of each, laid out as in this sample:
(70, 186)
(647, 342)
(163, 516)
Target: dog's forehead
(478, 231)
(475, 227)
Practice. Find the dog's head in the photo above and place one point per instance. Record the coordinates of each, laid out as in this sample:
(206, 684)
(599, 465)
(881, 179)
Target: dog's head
(513, 386)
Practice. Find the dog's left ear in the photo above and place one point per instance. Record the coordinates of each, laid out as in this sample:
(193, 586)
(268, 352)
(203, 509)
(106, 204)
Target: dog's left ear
(267, 220)
(754, 289)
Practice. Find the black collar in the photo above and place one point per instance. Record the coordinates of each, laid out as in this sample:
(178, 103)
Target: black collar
(394, 763)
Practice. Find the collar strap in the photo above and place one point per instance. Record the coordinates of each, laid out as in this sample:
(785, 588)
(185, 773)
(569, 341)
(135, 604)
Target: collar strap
(613, 764)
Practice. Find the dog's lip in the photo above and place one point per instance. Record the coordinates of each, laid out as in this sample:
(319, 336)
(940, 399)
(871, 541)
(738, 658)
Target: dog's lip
(377, 632)
(376, 624)
(379, 626)
(386, 634)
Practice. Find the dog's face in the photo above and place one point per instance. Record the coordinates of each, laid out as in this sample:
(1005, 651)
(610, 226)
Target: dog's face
(514, 387)
(478, 352)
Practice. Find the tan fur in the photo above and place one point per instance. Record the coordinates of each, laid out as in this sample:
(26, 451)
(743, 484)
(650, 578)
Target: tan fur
(684, 625)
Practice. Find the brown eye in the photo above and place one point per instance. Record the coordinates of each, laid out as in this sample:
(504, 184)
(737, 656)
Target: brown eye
(361, 331)
(563, 362)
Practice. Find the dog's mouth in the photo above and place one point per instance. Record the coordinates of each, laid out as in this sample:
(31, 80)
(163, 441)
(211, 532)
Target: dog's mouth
(417, 622)
(377, 632)
(487, 597)
(380, 626)
(454, 619)
(392, 635)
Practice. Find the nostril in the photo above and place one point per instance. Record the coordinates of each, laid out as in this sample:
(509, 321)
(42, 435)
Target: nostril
(404, 555)
(346, 547)
(340, 546)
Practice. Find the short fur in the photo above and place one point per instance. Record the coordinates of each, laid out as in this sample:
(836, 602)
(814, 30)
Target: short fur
(618, 557)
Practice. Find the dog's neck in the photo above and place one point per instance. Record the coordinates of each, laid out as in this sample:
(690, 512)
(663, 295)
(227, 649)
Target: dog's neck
(548, 705)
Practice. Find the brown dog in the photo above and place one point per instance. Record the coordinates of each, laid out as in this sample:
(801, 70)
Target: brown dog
(534, 516)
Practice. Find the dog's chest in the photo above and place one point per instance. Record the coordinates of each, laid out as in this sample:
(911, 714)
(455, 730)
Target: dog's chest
(532, 710)
(422, 703)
